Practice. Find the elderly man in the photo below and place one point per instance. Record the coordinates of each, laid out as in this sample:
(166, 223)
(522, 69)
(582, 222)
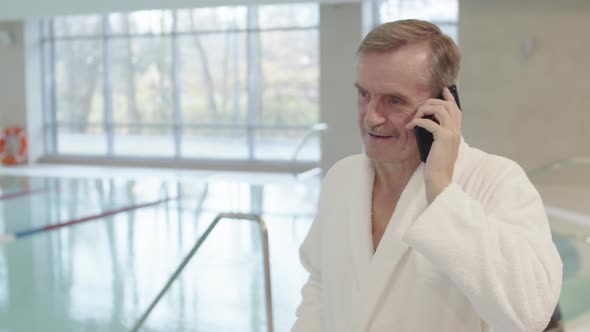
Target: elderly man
(458, 243)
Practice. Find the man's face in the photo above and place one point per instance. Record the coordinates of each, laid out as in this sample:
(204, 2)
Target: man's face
(391, 85)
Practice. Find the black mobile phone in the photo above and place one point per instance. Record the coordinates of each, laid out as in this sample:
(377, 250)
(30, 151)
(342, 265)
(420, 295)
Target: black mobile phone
(424, 137)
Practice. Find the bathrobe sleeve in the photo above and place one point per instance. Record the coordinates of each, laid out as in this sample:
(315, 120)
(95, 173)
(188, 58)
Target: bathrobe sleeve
(310, 310)
(495, 245)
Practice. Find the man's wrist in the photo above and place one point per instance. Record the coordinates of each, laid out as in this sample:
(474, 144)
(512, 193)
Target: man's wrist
(434, 187)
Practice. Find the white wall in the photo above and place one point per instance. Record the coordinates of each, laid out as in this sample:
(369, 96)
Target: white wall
(340, 35)
(531, 109)
(12, 79)
(20, 67)
(34, 92)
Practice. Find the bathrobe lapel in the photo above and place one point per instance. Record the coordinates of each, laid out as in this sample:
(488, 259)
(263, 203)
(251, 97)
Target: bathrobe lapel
(374, 271)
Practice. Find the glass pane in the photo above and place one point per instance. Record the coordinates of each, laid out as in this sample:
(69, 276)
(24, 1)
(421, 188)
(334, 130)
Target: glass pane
(215, 143)
(429, 10)
(141, 22)
(141, 79)
(291, 92)
(212, 79)
(450, 30)
(217, 18)
(143, 108)
(78, 25)
(81, 140)
(144, 141)
(289, 15)
(281, 144)
(223, 85)
(78, 82)
(45, 27)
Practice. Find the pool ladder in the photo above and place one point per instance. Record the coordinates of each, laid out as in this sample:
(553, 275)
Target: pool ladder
(235, 216)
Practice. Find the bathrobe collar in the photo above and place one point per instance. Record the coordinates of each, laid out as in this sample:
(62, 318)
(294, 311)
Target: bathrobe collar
(375, 270)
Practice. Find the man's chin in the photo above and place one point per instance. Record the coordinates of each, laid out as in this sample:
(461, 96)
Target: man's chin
(390, 156)
(379, 156)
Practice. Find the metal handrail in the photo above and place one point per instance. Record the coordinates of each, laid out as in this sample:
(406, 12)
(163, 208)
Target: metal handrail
(264, 235)
(571, 217)
(580, 237)
(315, 130)
(572, 161)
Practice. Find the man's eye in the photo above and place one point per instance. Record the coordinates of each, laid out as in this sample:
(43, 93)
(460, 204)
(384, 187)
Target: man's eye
(394, 101)
(363, 94)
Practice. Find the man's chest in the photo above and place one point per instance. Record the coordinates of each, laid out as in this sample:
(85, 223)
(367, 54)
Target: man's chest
(382, 209)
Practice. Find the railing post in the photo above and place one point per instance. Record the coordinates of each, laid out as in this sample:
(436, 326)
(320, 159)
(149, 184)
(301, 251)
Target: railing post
(266, 253)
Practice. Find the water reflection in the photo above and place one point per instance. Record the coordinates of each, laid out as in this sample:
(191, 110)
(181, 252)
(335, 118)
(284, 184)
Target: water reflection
(102, 274)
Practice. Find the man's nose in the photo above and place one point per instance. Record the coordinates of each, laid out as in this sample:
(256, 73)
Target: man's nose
(374, 115)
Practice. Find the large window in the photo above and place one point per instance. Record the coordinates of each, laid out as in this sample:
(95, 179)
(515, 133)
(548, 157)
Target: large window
(237, 83)
(443, 13)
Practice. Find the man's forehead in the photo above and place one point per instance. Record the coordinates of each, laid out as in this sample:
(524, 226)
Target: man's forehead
(391, 83)
(393, 71)
(384, 88)
(418, 52)
(404, 60)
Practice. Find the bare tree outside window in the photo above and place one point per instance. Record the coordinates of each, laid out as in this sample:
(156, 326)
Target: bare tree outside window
(235, 83)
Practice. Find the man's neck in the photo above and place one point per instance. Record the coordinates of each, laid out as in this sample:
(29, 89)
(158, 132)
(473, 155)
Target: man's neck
(391, 178)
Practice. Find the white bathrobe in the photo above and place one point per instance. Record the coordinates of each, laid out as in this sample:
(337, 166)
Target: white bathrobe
(479, 258)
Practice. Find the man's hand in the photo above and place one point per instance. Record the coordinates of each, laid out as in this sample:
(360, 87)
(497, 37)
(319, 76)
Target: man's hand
(440, 164)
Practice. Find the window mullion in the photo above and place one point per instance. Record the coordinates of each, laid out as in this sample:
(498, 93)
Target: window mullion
(107, 86)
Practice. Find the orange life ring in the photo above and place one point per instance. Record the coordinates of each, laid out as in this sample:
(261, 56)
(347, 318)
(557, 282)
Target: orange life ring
(13, 146)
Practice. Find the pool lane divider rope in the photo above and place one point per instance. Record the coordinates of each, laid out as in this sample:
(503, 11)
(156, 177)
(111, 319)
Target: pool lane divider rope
(22, 193)
(9, 237)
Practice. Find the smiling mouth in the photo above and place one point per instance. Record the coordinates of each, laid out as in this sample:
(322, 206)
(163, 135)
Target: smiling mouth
(380, 136)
